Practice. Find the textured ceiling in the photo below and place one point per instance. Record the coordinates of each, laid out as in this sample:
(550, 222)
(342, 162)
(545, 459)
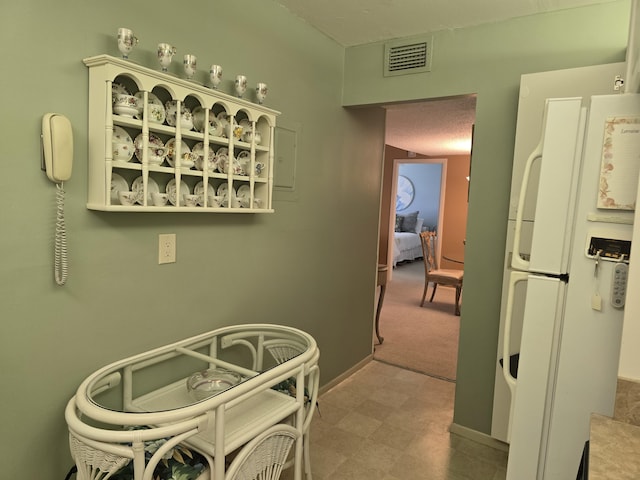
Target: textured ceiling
(435, 127)
(438, 127)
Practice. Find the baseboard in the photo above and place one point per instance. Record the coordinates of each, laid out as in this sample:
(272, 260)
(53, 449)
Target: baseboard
(328, 386)
(479, 437)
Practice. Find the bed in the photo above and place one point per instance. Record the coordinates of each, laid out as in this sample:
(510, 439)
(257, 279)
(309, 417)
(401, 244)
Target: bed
(406, 238)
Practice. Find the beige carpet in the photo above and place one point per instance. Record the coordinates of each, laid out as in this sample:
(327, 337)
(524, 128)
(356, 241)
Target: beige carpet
(423, 339)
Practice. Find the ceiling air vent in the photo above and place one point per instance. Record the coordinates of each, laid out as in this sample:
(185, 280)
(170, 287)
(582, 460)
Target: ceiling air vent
(407, 56)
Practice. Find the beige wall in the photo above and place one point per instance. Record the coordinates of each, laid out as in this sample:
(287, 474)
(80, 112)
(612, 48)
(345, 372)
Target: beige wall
(455, 210)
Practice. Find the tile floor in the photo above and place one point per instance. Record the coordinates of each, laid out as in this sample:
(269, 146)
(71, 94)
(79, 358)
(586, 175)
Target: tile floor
(387, 423)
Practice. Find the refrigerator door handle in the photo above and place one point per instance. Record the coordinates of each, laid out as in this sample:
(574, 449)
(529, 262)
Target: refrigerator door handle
(514, 278)
(517, 260)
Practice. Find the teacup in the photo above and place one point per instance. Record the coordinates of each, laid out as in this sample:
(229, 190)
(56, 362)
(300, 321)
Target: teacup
(156, 113)
(191, 200)
(214, 201)
(126, 41)
(261, 92)
(233, 129)
(240, 85)
(159, 199)
(127, 198)
(259, 168)
(190, 63)
(215, 74)
(188, 159)
(166, 51)
(244, 159)
(249, 136)
(223, 165)
(210, 163)
(156, 154)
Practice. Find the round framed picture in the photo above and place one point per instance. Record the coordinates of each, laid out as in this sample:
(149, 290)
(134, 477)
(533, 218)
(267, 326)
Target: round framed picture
(404, 193)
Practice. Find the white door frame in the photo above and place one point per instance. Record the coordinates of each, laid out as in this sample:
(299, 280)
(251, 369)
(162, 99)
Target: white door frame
(392, 210)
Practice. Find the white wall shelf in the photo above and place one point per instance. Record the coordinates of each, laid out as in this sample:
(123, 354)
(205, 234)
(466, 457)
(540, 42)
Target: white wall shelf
(108, 174)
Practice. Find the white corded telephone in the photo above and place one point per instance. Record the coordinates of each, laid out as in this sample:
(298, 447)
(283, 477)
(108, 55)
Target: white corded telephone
(57, 147)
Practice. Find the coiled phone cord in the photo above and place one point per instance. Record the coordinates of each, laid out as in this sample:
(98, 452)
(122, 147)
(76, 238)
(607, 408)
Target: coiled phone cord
(60, 247)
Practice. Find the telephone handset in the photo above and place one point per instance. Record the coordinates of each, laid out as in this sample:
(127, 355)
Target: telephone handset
(57, 144)
(57, 149)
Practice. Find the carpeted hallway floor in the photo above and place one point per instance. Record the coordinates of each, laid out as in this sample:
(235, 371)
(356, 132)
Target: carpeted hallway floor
(422, 339)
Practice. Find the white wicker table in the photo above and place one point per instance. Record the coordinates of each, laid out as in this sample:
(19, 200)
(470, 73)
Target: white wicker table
(149, 390)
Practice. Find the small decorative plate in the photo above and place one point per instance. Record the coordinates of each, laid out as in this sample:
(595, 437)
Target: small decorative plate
(215, 126)
(118, 88)
(199, 190)
(137, 186)
(223, 191)
(198, 149)
(184, 153)
(123, 147)
(244, 192)
(186, 117)
(172, 190)
(154, 141)
(118, 184)
(120, 135)
(223, 165)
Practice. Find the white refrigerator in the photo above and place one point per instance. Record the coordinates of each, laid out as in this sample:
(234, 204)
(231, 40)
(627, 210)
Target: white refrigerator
(535, 88)
(573, 308)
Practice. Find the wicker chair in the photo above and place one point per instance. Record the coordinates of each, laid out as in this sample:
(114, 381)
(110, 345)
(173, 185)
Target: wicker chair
(436, 275)
(264, 457)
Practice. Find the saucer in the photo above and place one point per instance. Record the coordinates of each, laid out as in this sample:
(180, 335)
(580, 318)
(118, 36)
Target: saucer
(215, 126)
(199, 190)
(198, 149)
(172, 190)
(186, 117)
(118, 88)
(137, 186)
(118, 184)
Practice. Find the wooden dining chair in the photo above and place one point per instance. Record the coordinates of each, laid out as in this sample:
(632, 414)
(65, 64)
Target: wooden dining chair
(436, 275)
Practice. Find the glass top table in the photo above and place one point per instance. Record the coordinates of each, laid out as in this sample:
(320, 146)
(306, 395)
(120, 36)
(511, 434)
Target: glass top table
(149, 395)
(237, 358)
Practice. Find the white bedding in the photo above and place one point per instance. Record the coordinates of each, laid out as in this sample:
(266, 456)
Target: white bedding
(406, 246)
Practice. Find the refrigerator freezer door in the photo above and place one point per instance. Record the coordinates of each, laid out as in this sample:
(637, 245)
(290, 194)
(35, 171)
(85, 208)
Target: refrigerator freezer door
(559, 174)
(535, 88)
(536, 377)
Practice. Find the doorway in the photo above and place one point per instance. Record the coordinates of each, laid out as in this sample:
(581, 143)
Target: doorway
(428, 120)
(426, 177)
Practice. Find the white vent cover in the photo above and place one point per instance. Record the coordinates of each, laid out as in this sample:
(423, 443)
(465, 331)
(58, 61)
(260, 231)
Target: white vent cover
(402, 57)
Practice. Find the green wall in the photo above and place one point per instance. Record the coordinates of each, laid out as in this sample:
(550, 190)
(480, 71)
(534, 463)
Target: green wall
(488, 60)
(312, 264)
